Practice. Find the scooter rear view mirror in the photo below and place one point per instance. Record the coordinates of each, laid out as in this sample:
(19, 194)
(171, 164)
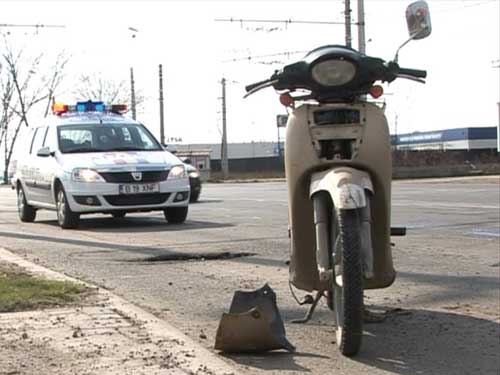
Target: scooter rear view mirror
(418, 19)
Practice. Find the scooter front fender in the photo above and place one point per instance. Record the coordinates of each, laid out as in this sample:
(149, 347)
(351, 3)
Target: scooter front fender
(345, 185)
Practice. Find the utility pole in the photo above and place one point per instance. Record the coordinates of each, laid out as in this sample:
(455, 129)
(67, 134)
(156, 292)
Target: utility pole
(347, 14)
(162, 128)
(361, 26)
(132, 82)
(224, 161)
(132, 93)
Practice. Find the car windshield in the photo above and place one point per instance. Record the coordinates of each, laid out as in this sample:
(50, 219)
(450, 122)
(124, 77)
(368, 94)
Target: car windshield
(105, 137)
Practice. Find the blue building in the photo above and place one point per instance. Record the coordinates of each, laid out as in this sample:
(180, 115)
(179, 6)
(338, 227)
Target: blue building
(484, 138)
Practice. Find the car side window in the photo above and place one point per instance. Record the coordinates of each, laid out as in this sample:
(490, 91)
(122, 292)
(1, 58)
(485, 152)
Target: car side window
(38, 140)
(146, 140)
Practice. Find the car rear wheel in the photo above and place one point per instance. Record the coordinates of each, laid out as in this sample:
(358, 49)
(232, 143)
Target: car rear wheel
(176, 215)
(66, 218)
(27, 213)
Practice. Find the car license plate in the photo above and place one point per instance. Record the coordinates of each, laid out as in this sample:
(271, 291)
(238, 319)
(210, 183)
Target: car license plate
(138, 188)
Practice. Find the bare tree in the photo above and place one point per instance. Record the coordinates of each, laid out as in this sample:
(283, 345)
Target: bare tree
(95, 87)
(6, 92)
(23, 85)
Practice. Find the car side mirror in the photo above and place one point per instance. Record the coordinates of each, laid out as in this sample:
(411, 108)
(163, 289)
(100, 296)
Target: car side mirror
(418, 19)
(44, 152)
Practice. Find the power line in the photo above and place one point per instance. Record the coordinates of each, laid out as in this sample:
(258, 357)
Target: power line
(285, 53)
(286, 22)
(38, 25)
(464, 6)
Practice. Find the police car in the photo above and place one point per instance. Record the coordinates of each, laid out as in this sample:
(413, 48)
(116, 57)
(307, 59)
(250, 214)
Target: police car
(89, 158)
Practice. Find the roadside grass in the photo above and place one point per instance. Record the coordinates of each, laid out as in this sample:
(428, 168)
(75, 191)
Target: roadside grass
(21, 292)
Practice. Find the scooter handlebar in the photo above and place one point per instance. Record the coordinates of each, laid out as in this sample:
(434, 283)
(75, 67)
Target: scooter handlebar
(413, 72)
(257, 84)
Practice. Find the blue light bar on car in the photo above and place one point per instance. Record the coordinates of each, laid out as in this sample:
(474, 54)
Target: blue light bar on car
(89, 106)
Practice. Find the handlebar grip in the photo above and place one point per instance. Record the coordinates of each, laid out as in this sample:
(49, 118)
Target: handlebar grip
(413, 72)
(254, 85)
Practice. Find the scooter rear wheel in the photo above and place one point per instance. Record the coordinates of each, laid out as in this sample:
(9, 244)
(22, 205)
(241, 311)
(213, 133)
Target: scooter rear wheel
(348, 282)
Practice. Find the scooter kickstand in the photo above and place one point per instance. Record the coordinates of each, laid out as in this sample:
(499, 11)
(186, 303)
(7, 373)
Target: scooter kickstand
(311, 309)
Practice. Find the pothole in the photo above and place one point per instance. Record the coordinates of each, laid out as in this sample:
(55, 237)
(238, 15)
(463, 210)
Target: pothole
(198, 256)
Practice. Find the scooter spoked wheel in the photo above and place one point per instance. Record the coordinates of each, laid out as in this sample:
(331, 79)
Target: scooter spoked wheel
(348, 283)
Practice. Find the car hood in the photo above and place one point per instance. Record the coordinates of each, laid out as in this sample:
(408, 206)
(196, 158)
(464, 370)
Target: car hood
(120, 160)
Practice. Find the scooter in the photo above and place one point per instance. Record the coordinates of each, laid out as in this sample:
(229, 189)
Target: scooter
(338, 171)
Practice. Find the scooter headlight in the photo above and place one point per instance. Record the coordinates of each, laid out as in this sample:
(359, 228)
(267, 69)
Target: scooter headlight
(333, 72)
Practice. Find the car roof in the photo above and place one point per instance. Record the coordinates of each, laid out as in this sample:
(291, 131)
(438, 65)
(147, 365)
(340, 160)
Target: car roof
(75, 118)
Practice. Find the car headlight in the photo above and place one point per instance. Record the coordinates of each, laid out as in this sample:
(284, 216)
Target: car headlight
(86, 175)
(176, 172)
(333, 72)
(194, 174)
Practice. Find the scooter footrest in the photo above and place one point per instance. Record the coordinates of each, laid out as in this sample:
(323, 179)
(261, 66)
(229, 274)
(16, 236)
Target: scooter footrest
(398, 231)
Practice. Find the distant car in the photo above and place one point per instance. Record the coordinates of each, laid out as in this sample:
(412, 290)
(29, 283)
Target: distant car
(194, 182)
(88, 158)
(192, 172)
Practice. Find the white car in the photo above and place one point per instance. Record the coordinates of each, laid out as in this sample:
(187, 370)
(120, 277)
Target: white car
(88, 158)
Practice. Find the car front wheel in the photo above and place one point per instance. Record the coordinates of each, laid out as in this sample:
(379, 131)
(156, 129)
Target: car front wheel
(66, 218)
(176, 215)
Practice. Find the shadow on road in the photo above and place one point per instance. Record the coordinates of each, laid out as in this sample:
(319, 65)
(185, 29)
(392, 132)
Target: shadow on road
(408, 342)
(432, 342)
(139, 225)
(274, 360)
(145, 251)
(204, 201)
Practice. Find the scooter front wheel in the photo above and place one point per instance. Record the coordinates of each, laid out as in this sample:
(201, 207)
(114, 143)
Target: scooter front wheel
(348, 280)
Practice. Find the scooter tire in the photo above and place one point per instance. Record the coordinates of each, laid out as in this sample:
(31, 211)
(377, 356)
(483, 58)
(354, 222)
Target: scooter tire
(348, 296)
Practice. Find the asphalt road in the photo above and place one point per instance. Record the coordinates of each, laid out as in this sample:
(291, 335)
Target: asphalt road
(444, 309)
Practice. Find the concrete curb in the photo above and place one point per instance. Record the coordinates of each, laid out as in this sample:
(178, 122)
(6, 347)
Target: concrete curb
(198, 358)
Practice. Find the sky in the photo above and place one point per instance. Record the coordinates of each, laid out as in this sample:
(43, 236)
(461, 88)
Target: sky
(196, 52)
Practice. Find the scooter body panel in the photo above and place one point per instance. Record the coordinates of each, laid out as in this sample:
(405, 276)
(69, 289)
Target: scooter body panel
(310, 151)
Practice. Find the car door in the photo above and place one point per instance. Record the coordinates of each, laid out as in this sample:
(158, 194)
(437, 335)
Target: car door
(47, 166)
(38, 189)
(27, 168)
